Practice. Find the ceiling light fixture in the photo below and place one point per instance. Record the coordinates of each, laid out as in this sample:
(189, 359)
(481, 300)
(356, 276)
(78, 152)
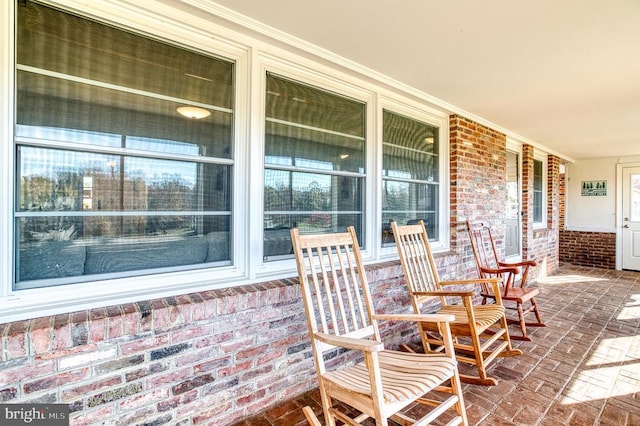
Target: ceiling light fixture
(193, 112)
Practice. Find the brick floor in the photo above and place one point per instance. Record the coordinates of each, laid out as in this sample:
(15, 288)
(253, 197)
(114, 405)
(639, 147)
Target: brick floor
(582, 369)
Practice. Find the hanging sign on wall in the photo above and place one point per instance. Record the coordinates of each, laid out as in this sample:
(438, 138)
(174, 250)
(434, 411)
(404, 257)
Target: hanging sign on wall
(594, 188)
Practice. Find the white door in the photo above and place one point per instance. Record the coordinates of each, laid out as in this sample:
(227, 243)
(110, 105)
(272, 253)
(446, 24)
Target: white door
(631, 218)
(512, 218)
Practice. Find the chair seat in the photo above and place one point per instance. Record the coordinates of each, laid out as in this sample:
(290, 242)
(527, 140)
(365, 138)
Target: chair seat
(518, 294)
(405, 376)
(485, 315)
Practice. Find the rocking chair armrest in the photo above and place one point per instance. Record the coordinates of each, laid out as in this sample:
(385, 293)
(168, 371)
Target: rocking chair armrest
(443, 293)
(471, 281)
(350, 342)
(415, 317)
(527, 263)
(494, 283)
(501, 270)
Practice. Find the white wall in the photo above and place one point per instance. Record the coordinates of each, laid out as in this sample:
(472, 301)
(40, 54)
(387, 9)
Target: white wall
(591, 213)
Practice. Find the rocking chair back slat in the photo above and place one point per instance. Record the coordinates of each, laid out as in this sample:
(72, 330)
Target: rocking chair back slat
(335, 287)
(418, 262)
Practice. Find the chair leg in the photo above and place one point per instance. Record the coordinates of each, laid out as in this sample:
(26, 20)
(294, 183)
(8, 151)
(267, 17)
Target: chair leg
(523, 325)
(482, 378)
(456, 387)
(326, 407)
(311, 416)
(537, 313)
(509, 350)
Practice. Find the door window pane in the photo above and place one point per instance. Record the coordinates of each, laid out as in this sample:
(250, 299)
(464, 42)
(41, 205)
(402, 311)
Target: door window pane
(112, 178)
(635, 198)
(314, 163)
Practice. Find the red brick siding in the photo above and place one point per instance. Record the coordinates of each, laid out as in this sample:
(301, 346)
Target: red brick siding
(206, 358)
(588, 248)
(553, 192)
(562, 202)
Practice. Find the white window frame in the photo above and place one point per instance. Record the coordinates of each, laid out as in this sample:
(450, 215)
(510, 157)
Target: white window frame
(177, 29)
(284, 66)
(435, 118)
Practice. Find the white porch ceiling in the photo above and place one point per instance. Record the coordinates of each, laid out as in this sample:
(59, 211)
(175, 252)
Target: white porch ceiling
(563, 74)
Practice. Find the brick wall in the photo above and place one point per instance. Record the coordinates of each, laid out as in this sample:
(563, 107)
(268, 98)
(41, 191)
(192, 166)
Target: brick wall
(206, 358)
(478, 159)
(562, 202)
(596, 249)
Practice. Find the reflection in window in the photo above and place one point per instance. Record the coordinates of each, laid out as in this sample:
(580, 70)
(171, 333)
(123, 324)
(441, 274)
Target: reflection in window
(410, 174)
(111, 178)
(314, 163)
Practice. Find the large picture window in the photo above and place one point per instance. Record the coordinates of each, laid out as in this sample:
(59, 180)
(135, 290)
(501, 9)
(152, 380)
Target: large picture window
(410, 174)
(314, 163)
(111, 177)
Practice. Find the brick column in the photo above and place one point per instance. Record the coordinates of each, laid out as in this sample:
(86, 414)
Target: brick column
(553, 192)
(478, 160)
(562, 202)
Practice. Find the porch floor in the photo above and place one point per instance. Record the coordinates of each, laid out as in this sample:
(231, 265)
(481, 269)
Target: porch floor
(582, 369)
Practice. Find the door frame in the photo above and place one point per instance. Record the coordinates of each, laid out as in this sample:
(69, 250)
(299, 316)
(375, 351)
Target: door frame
(632, 162)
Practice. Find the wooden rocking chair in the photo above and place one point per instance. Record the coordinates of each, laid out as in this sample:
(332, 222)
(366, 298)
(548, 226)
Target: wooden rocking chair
(342, 324)
(489, 265)
(480, 332)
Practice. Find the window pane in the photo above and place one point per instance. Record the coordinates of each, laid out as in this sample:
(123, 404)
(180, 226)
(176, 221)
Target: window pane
(53, 180)
(51, 247)
(407, 203)
(410, 148)
(537, 190)
(289, 145)
(314, 155)
(111, 177)
(82, 75)
(293, 191)
(410, 174)
(277, 238)
(537, 175)
(307, 106)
